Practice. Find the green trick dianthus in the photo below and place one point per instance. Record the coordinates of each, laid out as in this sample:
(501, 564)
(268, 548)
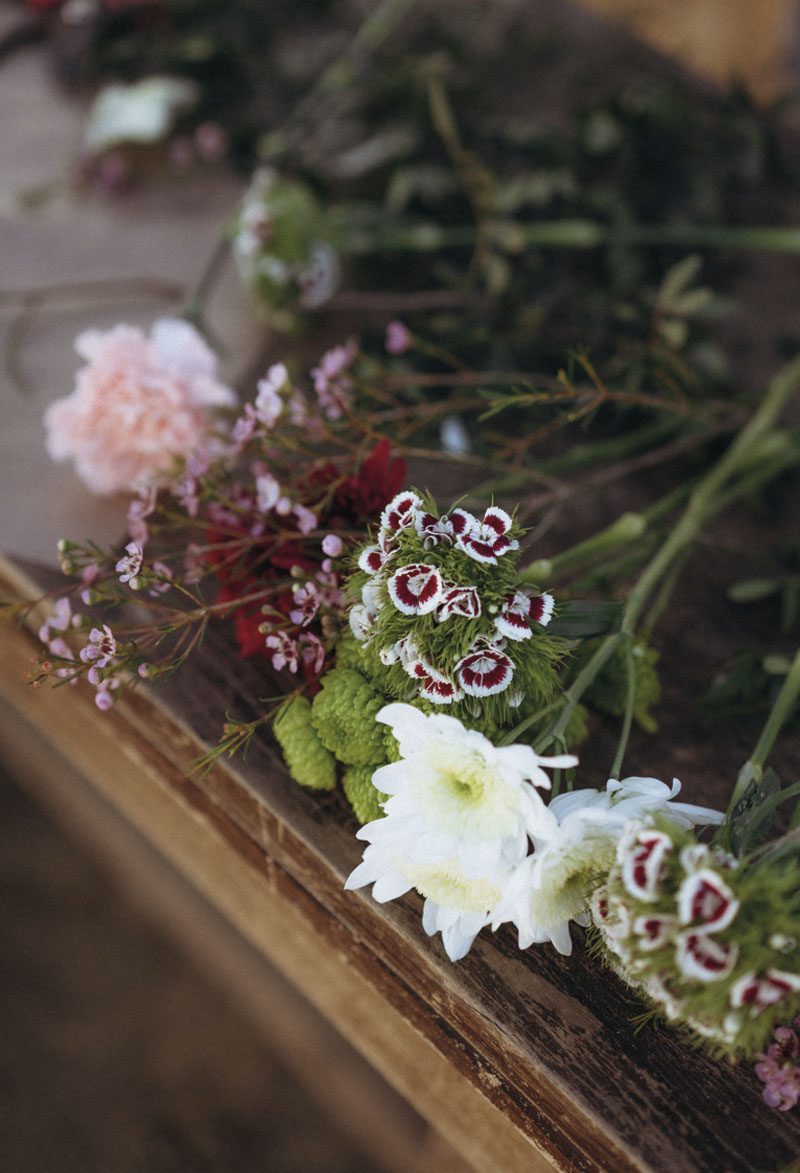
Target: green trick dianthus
(307, 759)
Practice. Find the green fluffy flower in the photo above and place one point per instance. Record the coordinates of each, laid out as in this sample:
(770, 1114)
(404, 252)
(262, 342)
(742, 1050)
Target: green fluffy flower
(309, 762)
(343, 715)
(362, 795)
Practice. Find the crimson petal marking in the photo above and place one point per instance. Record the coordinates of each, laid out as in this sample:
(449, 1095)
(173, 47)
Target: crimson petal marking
(484, 673)
(643, 864)
(459, 600)
(401, 511)
(703, 957)
(371, 559)
(654, 931)
(513, 619)
(541, 608)
(760, 992)
(416, 589)
(462, 522)
(480, 551)
(497, 519)
(440, 691)
(703, 897)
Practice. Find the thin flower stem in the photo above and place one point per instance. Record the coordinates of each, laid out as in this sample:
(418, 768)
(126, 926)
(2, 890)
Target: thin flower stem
(428, 236)
(627, 528)
(782, 709)
(576, 690)
(630, 701)
(702, 503)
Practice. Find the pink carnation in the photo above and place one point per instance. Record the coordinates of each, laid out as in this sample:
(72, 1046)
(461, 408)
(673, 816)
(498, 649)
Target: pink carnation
(137, 403)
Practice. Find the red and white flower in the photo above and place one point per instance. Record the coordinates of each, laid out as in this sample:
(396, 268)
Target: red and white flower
(759, 992)
(371, 559)
(704, 899)
(484, 672)
(401, 512)
(643, 863)
(461, 522)
(416, 589)
(514, 621)
(459, 600)
(436, 687)
(703, 957)
(488, 540)
(654, 931)
(540, 608)
(433, 529)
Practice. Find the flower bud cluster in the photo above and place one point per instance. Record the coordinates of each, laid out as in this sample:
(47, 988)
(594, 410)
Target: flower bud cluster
(281, 244)
(441, 612)
(714, 943)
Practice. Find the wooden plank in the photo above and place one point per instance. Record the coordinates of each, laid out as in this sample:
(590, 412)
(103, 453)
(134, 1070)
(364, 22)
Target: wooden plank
(379, 1121)
(523, 1061)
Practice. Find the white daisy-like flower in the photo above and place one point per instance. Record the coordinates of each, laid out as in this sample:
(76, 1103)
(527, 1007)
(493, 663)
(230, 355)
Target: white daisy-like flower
(458, 819)
(553, 886)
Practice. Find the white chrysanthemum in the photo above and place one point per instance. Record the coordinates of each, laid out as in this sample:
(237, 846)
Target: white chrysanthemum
(458, 818)
(552, 886)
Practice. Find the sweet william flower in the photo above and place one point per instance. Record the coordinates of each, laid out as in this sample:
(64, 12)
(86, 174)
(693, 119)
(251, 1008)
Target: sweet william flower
(458, 817)
(138, 403)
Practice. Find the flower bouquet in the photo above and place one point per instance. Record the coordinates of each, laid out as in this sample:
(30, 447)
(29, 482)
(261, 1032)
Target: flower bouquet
(451, 684)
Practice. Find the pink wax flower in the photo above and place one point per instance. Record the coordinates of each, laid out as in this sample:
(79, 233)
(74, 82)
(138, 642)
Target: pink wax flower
(398, 338)
(137, 404)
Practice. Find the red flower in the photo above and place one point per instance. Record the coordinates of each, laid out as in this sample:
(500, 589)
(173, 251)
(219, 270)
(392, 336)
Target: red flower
(377, 481)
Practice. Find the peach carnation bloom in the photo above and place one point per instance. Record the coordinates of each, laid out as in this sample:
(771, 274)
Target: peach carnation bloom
(137, 403)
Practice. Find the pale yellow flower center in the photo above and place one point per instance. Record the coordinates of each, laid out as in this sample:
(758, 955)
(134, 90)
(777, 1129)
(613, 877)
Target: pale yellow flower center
(465, 795)
(447, 886)
(568, 875)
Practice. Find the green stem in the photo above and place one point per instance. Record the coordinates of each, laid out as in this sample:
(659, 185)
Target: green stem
(630, 701)
(781, 711)
(576, 690)
(703, 503)
(625, 529)
(428, 236)
(703, 500)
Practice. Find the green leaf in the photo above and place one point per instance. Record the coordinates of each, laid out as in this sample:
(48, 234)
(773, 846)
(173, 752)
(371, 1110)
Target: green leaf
(751, 590)
(586, 618)
(754, 811)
